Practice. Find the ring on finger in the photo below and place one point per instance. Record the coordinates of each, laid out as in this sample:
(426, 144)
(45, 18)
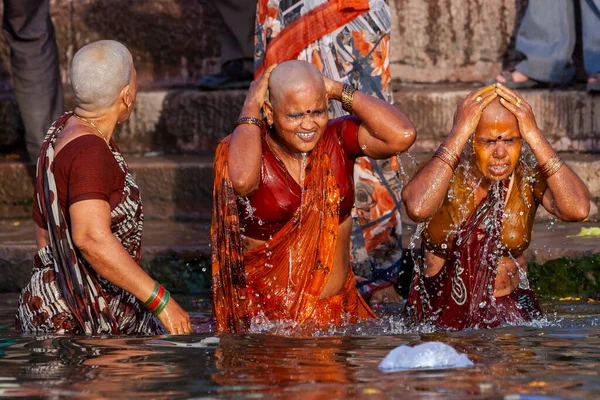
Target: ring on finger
(518, 102)
(478, 99)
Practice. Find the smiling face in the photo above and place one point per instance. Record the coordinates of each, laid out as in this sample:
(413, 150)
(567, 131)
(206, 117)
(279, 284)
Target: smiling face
(497, 142)
(298, 106)
(300, 120)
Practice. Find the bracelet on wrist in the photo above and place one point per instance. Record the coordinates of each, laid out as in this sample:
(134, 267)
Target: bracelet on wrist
(551, 166)
(447, 156)
(347, 98)
(158, 300)
(250, 121)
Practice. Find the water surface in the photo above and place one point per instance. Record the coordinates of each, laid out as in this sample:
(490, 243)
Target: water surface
(555, 358)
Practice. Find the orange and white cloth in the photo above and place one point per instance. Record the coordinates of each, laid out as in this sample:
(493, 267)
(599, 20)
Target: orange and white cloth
(349, 41)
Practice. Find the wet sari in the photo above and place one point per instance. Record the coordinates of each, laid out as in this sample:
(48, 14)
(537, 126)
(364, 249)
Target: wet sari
(64, 293)
(348, 40)
(460, 295)
(282, 279)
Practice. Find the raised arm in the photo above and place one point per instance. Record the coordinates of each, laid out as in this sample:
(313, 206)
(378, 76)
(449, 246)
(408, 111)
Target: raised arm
(425, 192)
(385, 130)
(567, 197)
(90, 225)
(245, 147)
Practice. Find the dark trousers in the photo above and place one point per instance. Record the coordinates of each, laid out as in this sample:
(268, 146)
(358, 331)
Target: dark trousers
(547, 38)
(34, 62)
(237, 41)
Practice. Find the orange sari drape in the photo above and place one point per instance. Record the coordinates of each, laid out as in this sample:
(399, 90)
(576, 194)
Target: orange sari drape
(282, 279)
(315, 24)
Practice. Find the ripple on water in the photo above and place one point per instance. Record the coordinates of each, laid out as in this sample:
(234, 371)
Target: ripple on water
(556, 357)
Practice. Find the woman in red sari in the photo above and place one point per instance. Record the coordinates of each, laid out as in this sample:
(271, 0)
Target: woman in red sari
(479, 209)
(283, 194)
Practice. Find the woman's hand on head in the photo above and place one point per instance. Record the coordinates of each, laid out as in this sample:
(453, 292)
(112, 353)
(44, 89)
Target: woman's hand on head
(333, 89)
(513, 102)
(175, 319)
(257, 93)
(469, 110)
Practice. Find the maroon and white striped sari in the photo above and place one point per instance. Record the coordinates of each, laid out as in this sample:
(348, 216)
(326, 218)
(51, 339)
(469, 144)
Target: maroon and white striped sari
(66, 295)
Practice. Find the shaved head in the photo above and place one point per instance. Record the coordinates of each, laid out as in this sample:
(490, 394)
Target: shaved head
(99, 72)
(495, 114)
(293, 76)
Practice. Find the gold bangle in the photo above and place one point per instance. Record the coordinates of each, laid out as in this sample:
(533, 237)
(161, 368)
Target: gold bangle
(551, 166)
(251, 121)
(447, 156)
(347, 98)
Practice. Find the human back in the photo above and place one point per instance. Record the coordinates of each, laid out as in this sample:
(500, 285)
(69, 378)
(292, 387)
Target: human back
(88, 216)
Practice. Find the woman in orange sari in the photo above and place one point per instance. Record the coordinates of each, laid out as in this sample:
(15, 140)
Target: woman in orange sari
(348, 41)
(281, 234)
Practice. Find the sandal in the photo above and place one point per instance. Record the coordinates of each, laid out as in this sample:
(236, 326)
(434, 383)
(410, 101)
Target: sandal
(512, 84)
(593, 87)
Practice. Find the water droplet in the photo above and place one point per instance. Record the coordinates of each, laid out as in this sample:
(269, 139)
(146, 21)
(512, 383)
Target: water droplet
(364, 147)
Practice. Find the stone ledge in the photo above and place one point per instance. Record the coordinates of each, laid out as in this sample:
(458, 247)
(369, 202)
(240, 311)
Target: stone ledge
(181, 187)
(192, 121)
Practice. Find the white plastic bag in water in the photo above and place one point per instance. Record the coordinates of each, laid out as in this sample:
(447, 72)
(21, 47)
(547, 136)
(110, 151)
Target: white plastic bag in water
(435, 355)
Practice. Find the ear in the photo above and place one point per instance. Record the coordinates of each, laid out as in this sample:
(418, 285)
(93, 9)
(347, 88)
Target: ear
(126, 96)
(268, 109)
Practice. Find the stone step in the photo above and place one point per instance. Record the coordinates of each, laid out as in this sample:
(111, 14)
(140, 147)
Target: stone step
(193, 121)
(173, 187)
(180, 187)
(178, 253)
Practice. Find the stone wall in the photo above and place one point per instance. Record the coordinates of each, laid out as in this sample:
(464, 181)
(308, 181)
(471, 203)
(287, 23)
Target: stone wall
(171, 40)
(174, 41)
(452, 40)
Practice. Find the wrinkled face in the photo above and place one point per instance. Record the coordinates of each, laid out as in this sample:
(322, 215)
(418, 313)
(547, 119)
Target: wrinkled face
(497, 145)
(299, 118)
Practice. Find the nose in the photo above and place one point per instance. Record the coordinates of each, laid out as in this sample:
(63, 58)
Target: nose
(500, 150)
(308, 122)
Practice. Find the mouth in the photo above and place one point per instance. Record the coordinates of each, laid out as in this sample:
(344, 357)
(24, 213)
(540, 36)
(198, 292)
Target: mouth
(499, 170)
(307, 136)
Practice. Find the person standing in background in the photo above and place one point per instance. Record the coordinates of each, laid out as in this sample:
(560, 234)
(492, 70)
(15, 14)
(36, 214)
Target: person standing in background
(349, 42)
(237, 46)
(34, 61)
(547, 37)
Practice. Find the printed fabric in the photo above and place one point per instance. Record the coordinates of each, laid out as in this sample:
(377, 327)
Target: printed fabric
(282, 279)
(460, 296)
(349, 41)
(66, 295)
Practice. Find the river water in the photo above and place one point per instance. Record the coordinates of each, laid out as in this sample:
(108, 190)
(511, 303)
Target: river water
(558, 357)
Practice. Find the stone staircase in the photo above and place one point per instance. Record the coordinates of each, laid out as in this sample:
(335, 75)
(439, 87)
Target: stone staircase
(174, 128)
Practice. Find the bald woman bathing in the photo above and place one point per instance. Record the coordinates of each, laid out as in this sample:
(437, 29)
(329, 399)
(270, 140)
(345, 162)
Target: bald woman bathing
(283, 194)
(88, 216)
(478, 197)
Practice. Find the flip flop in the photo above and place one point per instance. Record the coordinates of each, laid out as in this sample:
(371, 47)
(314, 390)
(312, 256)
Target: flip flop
(512, 84)
(594, 87)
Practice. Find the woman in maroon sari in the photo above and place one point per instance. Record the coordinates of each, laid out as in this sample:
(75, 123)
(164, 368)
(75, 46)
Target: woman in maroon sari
(478, 196)
(87, 209)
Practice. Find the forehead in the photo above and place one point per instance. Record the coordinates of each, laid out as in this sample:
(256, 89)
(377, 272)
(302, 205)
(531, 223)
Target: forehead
(498, 125)
(304, 97)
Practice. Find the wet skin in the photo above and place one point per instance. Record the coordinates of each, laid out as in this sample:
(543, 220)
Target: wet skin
(299, 122)
(497, 145)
